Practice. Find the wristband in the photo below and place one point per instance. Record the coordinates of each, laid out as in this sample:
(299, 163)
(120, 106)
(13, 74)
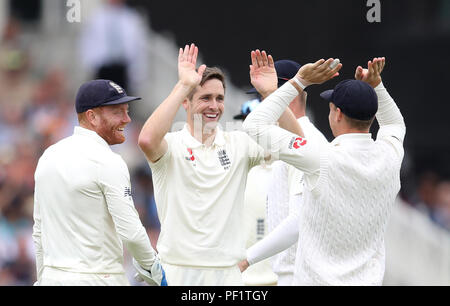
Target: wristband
(296, 80)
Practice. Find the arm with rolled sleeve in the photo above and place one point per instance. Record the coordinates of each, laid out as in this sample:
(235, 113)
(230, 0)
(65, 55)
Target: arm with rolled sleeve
(115, 183)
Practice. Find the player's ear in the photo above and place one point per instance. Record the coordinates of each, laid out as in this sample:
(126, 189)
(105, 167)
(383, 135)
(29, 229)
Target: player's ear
(185, 103)
(91, 117)
(339, 114)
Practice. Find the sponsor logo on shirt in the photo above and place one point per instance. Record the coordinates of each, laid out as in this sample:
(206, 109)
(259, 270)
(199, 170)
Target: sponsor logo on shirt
(224, 160)
(297, 143)
(127, 192)
(191, 156)
(260, 229)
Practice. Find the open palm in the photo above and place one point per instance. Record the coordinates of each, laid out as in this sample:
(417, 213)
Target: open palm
(372, 74)
(263, 75)
(187, 60)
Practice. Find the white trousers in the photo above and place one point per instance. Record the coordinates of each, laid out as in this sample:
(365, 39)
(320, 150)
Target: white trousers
(57, 277)
(202, 276)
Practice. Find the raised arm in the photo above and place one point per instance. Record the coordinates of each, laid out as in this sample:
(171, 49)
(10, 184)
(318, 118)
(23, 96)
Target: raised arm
(151, 139)
(290, 148)
(392, 125)
(263, 77)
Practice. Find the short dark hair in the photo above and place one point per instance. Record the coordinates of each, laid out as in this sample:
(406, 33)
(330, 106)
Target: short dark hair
(209, 74)
(360, 125)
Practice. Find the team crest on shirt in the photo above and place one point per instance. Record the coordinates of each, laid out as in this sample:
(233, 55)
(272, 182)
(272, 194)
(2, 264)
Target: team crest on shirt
(297, 143)
(224, 159)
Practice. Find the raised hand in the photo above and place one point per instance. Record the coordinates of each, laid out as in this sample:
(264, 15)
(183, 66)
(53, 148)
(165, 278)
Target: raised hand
(371, 75)
(187, 61)
(263, 75)
(318, 73)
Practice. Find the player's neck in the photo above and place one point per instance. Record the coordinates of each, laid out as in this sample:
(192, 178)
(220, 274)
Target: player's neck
(203, 134)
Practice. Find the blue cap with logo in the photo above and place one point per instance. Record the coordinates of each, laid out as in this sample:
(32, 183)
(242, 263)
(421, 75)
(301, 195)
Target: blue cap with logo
(97, 93)
(286, 70)
(356, 99)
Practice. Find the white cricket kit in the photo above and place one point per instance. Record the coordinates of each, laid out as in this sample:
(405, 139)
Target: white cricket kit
(284, 198)
(199, 193)
(350, 189)
(256, 227)
(83, 212)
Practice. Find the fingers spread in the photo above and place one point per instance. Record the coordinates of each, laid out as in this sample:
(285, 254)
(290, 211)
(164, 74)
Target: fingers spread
(370, 67)
(258, 58)
(358, 73)
(265, 61)
(326, 65)
(253, 57)
(186, 52)
(271, 62)
(201, 70)
(318, 63)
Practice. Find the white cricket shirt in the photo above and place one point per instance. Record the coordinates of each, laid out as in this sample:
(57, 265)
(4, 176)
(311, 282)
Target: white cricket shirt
(83, 208)
(199, 193)
(256, 228)
(350, 189)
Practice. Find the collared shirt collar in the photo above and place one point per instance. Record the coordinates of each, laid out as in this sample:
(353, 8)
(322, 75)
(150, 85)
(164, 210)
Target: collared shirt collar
(191, 142)
(78, 130)
(354, 138)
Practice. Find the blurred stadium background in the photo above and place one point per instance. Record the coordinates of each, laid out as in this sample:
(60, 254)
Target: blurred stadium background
(44, 58)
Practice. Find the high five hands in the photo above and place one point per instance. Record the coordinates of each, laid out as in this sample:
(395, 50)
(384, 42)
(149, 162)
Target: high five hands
(263, 75)
(318, 73)
(372, 74)
(187, 61)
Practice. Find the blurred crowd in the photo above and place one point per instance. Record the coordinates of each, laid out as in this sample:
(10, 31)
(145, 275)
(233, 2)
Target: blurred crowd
(37, 110)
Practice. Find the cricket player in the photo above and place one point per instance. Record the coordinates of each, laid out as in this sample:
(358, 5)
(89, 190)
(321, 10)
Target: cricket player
(83, 206)
(285, 186)
(350, 184)
(255, 212)
(199, 176)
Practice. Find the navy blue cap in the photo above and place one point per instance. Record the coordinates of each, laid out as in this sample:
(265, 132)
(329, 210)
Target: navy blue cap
(286, 70)
(356, 99)
(97, 93)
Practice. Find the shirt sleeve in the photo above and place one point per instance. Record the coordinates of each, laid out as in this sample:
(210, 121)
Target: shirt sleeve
(115, 183)
(256, 153)
(310, 130)
(37, 238)
(281, 238)
(392, 126)
(260, 124)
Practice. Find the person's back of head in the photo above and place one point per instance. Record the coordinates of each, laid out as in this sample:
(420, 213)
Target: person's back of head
(353, 105)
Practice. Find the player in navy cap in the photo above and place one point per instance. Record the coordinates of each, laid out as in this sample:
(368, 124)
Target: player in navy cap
(350, 184)
(83, 209)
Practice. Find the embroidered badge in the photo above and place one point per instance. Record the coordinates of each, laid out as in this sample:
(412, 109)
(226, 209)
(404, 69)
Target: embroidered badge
(116, 87)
